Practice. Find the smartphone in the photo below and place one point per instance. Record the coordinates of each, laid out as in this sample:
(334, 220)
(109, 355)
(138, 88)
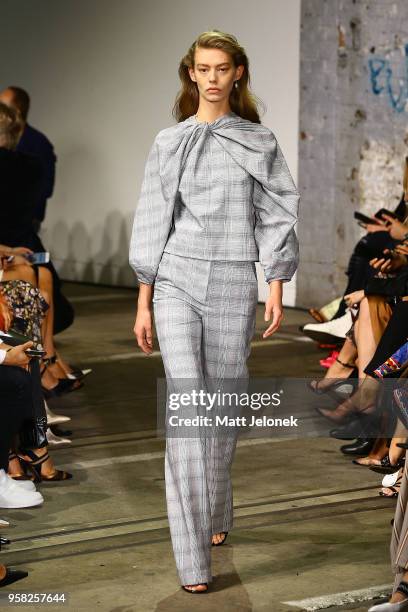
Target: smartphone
(38, 258)
(380, 213)
(364, 219)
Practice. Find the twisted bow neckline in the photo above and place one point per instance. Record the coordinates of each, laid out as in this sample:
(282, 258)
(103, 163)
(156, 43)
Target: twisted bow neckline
(219, 122)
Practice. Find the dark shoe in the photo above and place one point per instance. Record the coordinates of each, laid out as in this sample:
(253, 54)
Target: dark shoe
(12, 575)
(222, 541)
(65, 385)
(361, 426)
(34, 465)
(386, 467)
(362, 446)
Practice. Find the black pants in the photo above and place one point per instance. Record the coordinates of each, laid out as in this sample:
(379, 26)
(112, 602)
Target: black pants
(394, 336)
(21, 399)
(15, 406)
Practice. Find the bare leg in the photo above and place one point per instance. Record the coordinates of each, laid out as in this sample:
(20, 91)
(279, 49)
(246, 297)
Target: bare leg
(22, 273)
(366, 344)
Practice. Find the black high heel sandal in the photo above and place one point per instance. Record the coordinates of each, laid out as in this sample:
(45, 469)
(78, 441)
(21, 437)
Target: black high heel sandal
(65, 385)
(337, 383)
(222, 541)
(193, 590)
(22, 476)
(386, 467)
(34, 465)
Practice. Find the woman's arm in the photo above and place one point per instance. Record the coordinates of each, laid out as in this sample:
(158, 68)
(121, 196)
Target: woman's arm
(151, 227)
(143, 328)
(152, 222)
(276, 204)
(273, 306)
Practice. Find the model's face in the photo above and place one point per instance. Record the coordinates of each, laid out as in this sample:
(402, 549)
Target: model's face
(214, 73)
(7, 97)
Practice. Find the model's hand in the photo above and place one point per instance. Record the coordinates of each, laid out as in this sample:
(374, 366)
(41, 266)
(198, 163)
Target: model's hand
(17, 356)
(143, 329)
(273, 308)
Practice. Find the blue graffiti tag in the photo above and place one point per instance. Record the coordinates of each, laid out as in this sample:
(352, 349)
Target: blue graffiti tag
(383, 80)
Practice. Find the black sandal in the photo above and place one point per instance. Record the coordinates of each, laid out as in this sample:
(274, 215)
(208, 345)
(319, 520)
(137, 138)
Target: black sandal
(65, 385)
(222, 541)
(386, 467)
(34, 465)
(22, 476)
(337, 382)
(192, 590)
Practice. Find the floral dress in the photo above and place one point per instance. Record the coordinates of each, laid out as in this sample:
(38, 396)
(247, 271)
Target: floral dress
(28, 307)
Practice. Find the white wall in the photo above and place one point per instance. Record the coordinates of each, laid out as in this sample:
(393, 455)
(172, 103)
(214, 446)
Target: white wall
(103, 79)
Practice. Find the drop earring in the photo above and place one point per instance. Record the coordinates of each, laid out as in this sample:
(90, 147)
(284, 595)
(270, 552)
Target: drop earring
(236, 84)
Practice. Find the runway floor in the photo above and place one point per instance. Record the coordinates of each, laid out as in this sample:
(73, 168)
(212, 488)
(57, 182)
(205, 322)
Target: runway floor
(309, 525)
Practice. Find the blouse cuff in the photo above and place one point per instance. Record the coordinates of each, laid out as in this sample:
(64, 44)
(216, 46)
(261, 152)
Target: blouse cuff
(2, 356)
(144, 275)
(280, 270)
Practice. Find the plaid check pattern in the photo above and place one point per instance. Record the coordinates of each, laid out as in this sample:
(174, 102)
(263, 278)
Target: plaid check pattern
(216, 191)
(205, 319)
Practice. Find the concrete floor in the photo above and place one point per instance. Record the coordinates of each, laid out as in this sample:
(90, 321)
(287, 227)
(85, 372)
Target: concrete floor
(307, 522)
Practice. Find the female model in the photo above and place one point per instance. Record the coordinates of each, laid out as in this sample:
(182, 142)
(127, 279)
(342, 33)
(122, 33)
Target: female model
(216, 196)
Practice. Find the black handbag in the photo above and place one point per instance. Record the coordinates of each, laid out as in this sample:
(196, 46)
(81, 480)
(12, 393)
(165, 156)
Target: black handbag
(33, 433)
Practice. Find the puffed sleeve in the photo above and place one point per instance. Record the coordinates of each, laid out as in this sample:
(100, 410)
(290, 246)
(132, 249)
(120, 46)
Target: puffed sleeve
(152, 222)
(276, 204)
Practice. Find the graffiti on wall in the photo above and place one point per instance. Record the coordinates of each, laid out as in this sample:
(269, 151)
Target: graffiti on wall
(390, 80)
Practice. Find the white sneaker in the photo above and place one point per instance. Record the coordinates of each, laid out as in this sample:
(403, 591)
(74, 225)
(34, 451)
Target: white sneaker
(13, 496)
(54, 440)
(28, 485)
(390, 480)
(329, 331)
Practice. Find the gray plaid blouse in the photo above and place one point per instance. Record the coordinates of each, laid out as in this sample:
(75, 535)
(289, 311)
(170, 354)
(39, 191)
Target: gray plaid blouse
(216, 191)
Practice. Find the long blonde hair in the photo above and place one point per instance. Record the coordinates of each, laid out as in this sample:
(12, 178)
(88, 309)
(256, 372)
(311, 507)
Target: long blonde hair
(242, 101)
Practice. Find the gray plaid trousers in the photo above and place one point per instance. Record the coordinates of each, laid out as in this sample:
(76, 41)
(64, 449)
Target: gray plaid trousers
(205, 319)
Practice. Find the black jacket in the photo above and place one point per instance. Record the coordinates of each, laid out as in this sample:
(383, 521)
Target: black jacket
(389, 287)
(21, 178)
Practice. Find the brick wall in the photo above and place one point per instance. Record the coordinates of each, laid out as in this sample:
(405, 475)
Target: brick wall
(353, 130)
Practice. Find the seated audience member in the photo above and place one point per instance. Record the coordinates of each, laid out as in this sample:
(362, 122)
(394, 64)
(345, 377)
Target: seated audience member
(34, 143)
(21, 178)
